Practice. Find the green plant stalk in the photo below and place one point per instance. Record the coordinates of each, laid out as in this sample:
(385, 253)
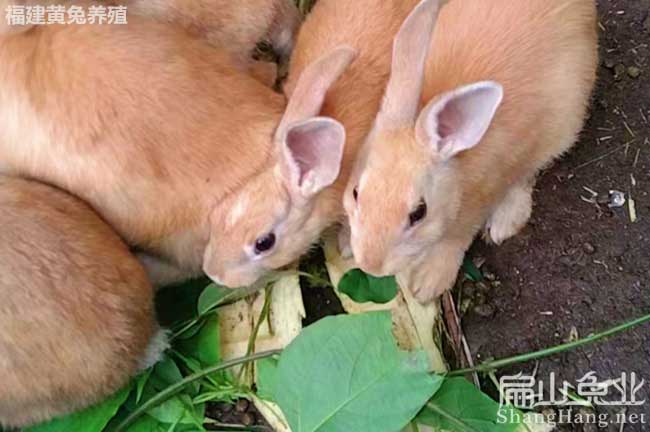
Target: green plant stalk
(175, 388)
(498, 364)
(318, 280)
(256, 330)
(450, 418)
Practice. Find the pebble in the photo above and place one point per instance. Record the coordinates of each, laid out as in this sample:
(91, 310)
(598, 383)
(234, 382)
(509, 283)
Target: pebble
(619, 71)
(589, 248)
(248, 419)
(633, 72)
(609, 63)
(646, 23)
(241, 405)
(485, 310)
(469, 289)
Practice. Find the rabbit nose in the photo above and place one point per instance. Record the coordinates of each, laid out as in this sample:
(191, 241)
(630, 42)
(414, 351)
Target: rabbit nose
(372, 264)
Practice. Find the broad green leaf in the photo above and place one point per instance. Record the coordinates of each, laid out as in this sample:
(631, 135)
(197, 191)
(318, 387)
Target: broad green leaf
(178, 409)
(146, 424)
(471, 271)
(212, 296)
(165, 373)
(345, 373)
(460, 400)
(204, 346)
(363, 288)
(267, 370)
(93, 419)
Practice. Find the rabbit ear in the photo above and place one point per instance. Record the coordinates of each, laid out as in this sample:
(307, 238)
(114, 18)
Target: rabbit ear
(311, 155)
(410, 49)
(458, 120)
(309, 94)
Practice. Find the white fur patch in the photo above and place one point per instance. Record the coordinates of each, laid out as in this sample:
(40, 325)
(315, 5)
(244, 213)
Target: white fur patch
(238, 210)
(158, 344)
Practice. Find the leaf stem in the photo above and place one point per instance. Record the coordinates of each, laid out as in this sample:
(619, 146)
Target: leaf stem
(178, 386)
(450, 418)
(522, 358)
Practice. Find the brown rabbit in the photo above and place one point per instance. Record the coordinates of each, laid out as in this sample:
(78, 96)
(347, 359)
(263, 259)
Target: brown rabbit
(299, 215)
(463, 132)
(171, 144)
(76, 309)
(236, 26)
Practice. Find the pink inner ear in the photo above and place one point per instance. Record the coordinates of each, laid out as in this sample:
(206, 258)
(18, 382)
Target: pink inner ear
(449, 120)
(304, 152)
(315, 149)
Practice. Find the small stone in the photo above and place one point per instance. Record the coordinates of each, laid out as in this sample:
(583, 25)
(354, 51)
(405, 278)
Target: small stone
(609, 63)
(248, 419)
(479, 298)
(619, 71)
(616, 199)
(241, 405)
(633, 72)
(646, 23)
(485, 310)
(483, 287)
(469, 289)
(490, 276)
(588, 248)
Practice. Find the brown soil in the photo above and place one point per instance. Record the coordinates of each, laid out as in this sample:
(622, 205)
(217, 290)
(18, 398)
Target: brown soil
(578, 265)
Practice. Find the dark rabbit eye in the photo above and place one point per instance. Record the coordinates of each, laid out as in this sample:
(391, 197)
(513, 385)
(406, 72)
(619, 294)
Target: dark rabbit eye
(355, 194)
(418, 214)
(264, 243)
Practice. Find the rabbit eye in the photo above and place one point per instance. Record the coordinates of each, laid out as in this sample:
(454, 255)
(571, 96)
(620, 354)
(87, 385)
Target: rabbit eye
(355, 193)
(264, 243)
(418, 214)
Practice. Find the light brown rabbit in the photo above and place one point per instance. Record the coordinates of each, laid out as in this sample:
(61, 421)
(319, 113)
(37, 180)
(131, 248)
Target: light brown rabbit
(462, 133)
(171, 144)
(294, 216)
(235, 26)
(76, 309)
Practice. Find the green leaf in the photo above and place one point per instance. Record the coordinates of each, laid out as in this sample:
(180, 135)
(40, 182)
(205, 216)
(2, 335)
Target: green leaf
(458, 403)
(140, 382)
(212, 296)
(267, 372)
(178, 409)
(204, 346)
(93, 419)
(146, 424)
(471, 271)
(345, 373)
(363, 288)
(165, 373)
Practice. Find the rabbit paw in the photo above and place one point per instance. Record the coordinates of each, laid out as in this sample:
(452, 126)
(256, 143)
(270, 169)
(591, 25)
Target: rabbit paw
(431, 278)
(511, 215)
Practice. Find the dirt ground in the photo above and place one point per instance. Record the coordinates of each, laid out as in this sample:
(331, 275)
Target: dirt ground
(580, 266)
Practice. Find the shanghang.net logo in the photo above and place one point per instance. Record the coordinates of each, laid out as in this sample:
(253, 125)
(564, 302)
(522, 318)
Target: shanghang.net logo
(571, 403)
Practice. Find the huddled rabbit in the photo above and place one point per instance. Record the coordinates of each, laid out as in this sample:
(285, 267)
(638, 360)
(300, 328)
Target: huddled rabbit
(76, 317)
(478, 102)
